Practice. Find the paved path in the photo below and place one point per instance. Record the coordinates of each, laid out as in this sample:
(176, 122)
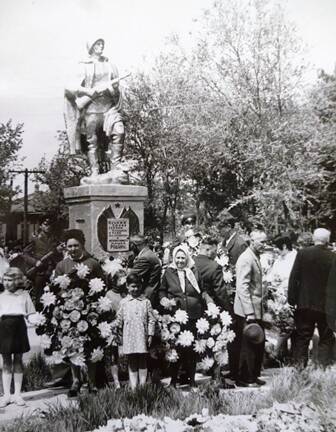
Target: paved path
(40, 400)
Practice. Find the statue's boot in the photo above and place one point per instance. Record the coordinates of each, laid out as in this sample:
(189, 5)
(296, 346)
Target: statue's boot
(94, 163)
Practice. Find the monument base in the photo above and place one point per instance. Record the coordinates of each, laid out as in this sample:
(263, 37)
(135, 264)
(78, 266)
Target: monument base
(108, 214)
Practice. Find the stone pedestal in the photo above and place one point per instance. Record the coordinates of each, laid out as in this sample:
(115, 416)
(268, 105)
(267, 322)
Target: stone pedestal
(107, 214)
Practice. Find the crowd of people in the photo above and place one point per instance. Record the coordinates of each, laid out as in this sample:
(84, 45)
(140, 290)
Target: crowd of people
(189, 272)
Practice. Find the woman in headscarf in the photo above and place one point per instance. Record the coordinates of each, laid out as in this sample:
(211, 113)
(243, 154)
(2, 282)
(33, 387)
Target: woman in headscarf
(182, 283)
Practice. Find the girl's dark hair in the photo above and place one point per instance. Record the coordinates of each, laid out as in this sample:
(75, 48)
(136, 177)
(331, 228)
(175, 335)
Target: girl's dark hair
(281, 240)
(133, 278)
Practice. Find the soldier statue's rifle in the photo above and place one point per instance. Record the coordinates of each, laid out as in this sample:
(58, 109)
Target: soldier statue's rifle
(83, 101)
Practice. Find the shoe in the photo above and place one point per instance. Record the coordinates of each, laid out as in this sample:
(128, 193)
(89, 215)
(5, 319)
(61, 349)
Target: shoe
(226, 385)
(260, 382)
(18, 401)
(4, 401)
(245, 384)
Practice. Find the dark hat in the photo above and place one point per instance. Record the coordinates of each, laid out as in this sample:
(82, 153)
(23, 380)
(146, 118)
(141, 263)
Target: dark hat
(188, 218)
(138, 239)
(254, 333)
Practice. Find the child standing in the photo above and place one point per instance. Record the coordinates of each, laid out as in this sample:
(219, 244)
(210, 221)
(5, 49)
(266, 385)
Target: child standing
(116, 281)
(15, 305)
(135, 318)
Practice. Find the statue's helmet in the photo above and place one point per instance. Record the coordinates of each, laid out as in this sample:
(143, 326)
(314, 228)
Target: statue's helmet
(90, 43)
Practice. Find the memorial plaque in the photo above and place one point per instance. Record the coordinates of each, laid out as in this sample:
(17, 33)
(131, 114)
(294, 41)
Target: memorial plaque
(117, 235)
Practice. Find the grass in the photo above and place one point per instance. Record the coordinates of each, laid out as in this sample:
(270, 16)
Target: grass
(309, 386)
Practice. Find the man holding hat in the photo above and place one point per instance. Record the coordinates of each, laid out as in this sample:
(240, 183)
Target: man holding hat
(248, 310)
(148, 266)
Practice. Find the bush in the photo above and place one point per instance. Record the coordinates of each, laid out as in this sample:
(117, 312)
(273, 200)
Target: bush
(36, 373)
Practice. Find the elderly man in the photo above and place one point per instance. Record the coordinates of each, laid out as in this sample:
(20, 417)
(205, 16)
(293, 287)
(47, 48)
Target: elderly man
(307, 291)
(94, 107)
(248, 308)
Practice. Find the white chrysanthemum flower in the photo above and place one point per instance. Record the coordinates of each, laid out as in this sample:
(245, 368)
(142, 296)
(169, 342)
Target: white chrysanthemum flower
(216, 329)
(105, 329)
(186, 338)
(55, 358)
(37, 319)
(230, 335)
(200, 346)
(46, 288)
(82, 270)
(66, 341)
(104, 304)
(96, 285)
(175, 328)
(207, 363)
(82, 326)
(78, 359)
(212, 310)
(166, 319)
(227, 276)
(171, 356)
(167, 303)
(48, 299)
(62, 281)
(210, 342)
(223, 260)
(75, 316)
(181, 316)
(222, 358)
(97, 355)
(202, 325)
(45, 341)
(225, 318)
(112, 267)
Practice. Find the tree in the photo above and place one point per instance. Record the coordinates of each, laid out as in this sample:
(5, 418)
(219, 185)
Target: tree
(10, 144)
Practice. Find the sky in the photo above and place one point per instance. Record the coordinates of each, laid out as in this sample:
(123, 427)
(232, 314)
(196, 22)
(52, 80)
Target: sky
(42, 41)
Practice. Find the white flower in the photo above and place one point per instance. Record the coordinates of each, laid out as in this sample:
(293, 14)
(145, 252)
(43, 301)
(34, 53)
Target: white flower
(222, 358)
(181, 316)
(227, 276)
(165, 334)
(202, 325)
(62, 281)
(230, 335)
(82, 326)
(210, 342)
(200, 346)
(78, 359)
(55, 358)
(175, 328)
(105, 329)
(112, 267)
(96, 285)
(167, 303)
(66, 342)
(97, 355)
(37, 319)
(171, 356)
(223, 260)
(82, 270)
(104, 304)
(207, 363)
(77, 293)
(65, 325)
(215, 330)
(45, 341)
(48, 299)
(186, 338)
(75, 316)
(166, 319)
(225, 318)
(212, 310)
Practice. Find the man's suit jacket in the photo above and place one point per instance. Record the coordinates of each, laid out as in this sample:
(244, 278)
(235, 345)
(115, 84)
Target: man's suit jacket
(309, 277)
(148, 266)
(213, 282)
(249, 291)
(236, 247)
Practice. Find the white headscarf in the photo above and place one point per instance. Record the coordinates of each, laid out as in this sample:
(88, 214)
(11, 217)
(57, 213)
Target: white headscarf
(187, 269)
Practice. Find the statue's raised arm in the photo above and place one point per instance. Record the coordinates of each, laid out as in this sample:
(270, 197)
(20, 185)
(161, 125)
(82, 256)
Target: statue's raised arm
(93, 116)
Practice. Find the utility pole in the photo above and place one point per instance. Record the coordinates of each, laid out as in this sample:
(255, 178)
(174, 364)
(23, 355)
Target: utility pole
(26, 173)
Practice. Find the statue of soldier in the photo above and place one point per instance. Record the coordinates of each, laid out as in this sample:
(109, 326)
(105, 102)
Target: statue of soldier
(93, 109)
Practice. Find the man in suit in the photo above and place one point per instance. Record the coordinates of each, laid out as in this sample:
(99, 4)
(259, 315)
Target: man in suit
(211, 272)
(233, 242)
(248, 308)
(307, 291)
(148, 266)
